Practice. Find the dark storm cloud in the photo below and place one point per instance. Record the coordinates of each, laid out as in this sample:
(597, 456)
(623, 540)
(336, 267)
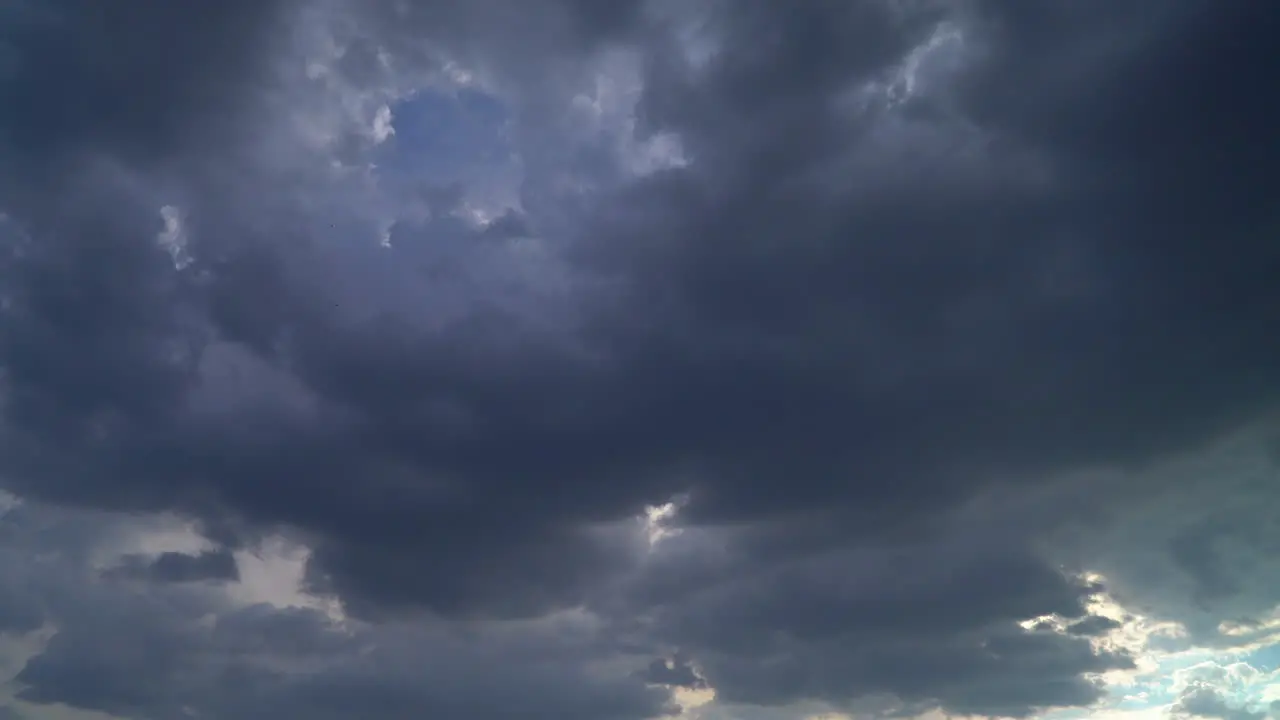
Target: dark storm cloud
(152, 650)
(888, 279)
(935, 621)
(262, 662)
(1026, 297)
(1008, 674)
(73, 86)
(176, 567)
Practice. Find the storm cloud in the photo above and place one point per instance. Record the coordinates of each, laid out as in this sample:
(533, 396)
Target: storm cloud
(826, 356)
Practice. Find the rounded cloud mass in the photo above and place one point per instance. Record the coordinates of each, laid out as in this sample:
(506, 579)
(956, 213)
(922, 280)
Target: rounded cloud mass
(622, 360)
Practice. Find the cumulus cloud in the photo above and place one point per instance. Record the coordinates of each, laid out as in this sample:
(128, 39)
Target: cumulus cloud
(1209, 690)
(807, 355)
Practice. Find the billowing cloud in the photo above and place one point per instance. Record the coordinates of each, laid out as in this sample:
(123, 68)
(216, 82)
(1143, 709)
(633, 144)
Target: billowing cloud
(169, 649)
(821, 357)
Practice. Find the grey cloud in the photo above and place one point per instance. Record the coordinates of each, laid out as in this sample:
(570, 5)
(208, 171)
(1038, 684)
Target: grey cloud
(1218, 504)
(675, 671)
(1000, 673)
(1202, 701)
(1196, 551)
(175, 567)
(929, 622)
(156, 650)
(1093, 626)
(264, 662)
(992, 369)
(125, 101)
(849, 315)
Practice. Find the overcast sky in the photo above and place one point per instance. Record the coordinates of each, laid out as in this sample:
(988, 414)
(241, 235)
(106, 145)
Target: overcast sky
(627, 359)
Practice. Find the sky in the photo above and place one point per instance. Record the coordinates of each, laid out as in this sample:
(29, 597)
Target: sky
(690, 359)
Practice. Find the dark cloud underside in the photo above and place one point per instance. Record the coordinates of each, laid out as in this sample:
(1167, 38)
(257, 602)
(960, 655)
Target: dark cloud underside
(925, 261)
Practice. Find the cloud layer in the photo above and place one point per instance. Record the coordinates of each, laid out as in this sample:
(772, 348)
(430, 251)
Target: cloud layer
(848, 357)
